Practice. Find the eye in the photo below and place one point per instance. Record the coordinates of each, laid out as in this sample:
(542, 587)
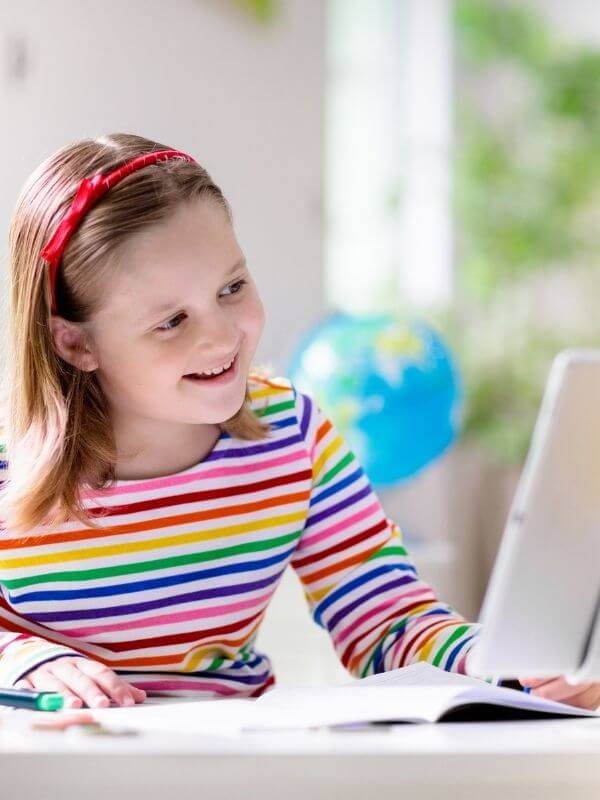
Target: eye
(167, 325)
(239, 284)
(235, 288)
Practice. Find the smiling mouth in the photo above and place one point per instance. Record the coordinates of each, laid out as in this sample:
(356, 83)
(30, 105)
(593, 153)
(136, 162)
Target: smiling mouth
(208, 377)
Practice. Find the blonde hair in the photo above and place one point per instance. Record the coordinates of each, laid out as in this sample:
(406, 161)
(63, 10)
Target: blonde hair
(56, 422)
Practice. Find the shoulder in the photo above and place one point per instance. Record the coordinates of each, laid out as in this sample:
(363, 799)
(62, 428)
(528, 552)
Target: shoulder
(278, 398)
(263, 387)
(269, 394)
(265, 390)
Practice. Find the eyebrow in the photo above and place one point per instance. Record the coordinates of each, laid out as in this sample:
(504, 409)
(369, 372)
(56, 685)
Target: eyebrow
(150, 312)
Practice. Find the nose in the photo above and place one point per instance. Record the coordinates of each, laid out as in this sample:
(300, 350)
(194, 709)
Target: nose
(218, 341)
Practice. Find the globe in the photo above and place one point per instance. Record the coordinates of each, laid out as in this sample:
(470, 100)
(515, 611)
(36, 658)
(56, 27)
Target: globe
(390, 387)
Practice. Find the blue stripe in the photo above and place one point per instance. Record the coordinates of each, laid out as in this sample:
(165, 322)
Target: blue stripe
(349, 501)
(155, 583)
(457, 650)
(379, 589)
(152, 605)
(337, 487)
(345, 589)
(307, 406)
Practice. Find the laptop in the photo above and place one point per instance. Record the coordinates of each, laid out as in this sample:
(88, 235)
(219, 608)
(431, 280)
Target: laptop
(540, 613)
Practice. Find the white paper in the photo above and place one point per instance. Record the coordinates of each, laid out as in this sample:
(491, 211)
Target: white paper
(180, 715)
(418, 674)
(417, 693)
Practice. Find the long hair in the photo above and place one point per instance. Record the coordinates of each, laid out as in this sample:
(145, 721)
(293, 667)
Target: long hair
(55, 417)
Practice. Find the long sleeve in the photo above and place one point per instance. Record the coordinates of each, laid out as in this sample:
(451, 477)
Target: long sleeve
(20, 653)
(360, 583)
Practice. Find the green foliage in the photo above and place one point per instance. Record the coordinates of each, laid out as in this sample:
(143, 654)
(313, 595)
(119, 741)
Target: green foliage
(262, 10)
(489, 31)
(527, 178)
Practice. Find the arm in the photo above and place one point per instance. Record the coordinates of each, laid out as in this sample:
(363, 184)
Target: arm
(20, 649)
(20, 654)
(360, 583)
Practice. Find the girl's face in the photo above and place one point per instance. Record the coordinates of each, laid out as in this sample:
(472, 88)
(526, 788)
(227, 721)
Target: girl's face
(184, 302)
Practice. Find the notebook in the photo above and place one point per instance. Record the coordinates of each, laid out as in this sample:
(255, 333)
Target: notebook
(419, 693)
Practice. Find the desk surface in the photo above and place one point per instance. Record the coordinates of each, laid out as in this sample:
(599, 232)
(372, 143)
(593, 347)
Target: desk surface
(527, 759)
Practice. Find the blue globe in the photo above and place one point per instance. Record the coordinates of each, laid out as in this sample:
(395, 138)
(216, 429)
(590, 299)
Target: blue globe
(390, 387)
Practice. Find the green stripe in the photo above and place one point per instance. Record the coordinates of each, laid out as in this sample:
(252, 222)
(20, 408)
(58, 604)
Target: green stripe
(457, 633)
(389, 550)
(392, 629)
(216, 663)
(365, 671)
(436, 661)
(274, 409)
(151, 566)
(334, 470)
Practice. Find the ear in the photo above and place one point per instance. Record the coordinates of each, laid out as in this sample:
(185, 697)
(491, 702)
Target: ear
(71, 344)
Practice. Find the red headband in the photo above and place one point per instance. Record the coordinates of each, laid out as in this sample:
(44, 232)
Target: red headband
(89, 192)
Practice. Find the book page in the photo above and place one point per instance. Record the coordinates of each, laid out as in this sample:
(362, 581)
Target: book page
(180, 715)
(335, 705)
(513, 698)
(418, 693)
(421, 673)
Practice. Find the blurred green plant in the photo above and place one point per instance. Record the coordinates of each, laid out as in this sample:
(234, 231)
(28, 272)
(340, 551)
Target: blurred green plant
(526, 184)
(262, 10)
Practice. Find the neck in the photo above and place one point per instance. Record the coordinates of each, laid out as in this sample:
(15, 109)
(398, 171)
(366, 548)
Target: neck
(154, 452)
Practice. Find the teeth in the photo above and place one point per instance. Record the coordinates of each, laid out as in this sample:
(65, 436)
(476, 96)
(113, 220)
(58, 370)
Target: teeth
(219, 369)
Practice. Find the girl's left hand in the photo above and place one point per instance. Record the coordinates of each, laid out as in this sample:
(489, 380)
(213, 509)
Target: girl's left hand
(583, 695)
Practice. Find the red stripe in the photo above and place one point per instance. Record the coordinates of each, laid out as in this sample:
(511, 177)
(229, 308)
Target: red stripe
(345, 657)
(264, 687)
(151, 504)
(426, 632)
(180, 638)
(150, 524)
(343, 544)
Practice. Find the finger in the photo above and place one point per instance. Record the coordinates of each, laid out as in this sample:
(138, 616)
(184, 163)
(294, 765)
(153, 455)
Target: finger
(96, 668)
(46, 681)
(560, 690)
(111, 683)
(23, 684)
(590, 698)
(571, 691)
(537, 681)
(108, 680)
(85, 687)
(140, 694)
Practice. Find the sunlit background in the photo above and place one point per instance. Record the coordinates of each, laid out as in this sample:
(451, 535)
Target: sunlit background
(433, 159)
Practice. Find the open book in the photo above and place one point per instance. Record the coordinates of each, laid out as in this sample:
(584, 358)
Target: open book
(415, 694)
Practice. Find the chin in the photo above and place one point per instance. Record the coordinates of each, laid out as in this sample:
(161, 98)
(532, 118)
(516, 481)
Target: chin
(224, 411)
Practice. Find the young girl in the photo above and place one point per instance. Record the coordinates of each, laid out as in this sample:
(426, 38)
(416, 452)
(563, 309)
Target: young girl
(155, 486)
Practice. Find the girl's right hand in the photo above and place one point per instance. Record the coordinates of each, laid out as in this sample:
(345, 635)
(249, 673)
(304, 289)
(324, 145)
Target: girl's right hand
(82, 680)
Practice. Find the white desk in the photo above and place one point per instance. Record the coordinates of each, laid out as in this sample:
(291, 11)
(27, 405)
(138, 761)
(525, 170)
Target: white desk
(497, 761)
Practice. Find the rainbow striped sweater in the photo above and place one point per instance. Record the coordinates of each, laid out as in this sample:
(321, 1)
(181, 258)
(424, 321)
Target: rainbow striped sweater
(171, 591)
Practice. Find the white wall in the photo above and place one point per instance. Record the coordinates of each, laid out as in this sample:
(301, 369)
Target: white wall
(201, 75)
(577, 21)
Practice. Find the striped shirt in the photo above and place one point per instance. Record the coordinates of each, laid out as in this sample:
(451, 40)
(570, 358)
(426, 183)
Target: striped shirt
(171, 591)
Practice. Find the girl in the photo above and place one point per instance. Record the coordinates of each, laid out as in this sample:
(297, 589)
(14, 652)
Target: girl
(155, 485)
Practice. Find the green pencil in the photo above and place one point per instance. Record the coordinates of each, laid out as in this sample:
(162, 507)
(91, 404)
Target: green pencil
(29, 698)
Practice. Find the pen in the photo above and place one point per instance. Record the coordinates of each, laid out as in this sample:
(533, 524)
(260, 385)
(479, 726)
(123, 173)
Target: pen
(29, 698)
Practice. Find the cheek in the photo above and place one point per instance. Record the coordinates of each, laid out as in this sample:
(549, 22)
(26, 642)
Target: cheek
(255, 316)
(143, 363)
